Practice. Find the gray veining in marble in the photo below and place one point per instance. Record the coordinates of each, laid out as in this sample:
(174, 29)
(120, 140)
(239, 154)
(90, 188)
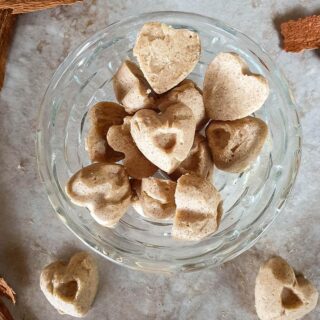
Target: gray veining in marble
(31, 235)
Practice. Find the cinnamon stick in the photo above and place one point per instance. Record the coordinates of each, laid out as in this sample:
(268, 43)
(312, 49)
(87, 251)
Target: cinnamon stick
(301, 34)
(4, 312)
(7, 291)
(7, 23)
(24, 6)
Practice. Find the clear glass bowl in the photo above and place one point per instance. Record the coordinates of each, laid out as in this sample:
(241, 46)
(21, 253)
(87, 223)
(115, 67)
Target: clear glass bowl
(252, 200)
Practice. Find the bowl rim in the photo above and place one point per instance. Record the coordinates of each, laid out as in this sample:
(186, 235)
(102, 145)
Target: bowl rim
(44, 170)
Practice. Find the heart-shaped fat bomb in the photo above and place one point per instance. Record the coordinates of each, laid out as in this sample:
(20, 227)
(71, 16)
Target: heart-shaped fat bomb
(102, 116)
(199, 208)
(280, 294)
(198, 161)
(165, 139)
(166, 56)
(189, 94)
(71, 287)
(136, 164)
(131, 88)
(156, 198)
(104, 189)
(236, 144)
(230, 90)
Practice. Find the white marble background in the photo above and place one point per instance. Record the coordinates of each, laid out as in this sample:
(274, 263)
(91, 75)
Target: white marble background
(31, 235)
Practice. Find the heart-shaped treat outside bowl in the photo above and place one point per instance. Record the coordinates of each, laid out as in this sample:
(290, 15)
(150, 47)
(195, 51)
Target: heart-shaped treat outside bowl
(252, 199)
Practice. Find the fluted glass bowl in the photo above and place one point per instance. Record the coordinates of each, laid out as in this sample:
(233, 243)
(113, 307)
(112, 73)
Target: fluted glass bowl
(252, 200)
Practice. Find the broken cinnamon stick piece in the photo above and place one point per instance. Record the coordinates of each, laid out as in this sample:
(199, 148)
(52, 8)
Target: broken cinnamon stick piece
(301, 34)
(7, 291)
(24, 6)
(4, 312)
(7, 23)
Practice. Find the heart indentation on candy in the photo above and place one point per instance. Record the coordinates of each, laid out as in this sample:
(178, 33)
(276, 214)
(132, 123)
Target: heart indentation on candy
(164, 139)
(236, 144)
(289, 299)
(221, 137)
(281, 294)
(71, 287)
(166, 56)
(68, 290)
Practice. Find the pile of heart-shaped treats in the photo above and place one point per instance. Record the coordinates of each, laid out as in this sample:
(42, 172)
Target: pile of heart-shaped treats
(163, 123)
(280, 292)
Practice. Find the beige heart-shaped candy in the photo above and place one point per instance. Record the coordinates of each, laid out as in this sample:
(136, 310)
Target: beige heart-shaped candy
(189, 94)
(102, 116)
(280, 294)
(236, 144)
(165, 139)
(71, 287)
(136, 164)
(199, 208)
(166, 56)
(131, 89)
(230, 90)
(156, 198)
(104, 189)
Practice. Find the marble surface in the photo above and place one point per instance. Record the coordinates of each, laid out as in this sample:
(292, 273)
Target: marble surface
(31, 235)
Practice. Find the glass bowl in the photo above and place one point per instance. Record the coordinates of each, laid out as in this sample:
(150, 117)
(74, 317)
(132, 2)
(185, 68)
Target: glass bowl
(252, 200)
